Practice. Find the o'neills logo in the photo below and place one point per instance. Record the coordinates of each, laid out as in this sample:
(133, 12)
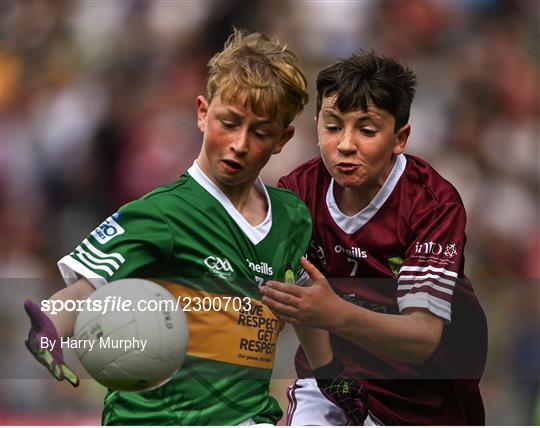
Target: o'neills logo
(261, 267)
(428, 248)
(351, 252)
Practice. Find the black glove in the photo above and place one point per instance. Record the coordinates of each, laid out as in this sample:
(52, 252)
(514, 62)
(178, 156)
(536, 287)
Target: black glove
(342, 390)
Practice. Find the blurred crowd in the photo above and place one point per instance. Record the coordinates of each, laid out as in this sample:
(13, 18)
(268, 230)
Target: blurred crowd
(97, 107)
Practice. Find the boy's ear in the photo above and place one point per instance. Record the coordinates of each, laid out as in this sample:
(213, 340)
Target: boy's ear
(401, 139)
(201, 104)
(287, 135)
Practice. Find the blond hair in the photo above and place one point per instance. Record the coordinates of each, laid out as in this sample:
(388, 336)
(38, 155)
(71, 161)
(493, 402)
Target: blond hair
(260, 71)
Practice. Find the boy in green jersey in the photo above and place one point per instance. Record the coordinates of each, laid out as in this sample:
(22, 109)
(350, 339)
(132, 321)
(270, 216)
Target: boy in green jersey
(216, 231)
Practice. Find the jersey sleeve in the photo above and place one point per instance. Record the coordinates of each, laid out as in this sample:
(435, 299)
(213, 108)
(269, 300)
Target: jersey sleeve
(123, 245)
(433, 261)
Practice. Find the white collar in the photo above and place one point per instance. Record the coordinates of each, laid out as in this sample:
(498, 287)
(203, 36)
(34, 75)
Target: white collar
(255, 233)
(352, 224)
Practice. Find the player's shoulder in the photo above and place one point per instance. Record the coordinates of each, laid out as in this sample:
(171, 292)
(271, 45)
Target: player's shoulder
(173, 189)
(286, 198)
(307, 180)
(159, 201)
(308, 169)
(426, 183)
(288, 207)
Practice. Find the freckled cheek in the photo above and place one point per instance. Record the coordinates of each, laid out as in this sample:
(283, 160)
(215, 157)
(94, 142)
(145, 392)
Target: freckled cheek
(328, 150)
(215, 140)
(375, 164)
(211, 145)
(372, 153)
(259, 157)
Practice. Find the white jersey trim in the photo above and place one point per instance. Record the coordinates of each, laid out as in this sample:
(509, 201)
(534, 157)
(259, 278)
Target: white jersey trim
(436, 306)
(302, 278)
(86, 258)
(421, 284)
(429, 268)
(254, 233)
(354, 223)
(80, 251)
(71, 270)
(415, 278)
(105, 256)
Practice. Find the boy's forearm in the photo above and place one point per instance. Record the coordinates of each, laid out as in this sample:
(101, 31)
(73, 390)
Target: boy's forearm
(316, 345)
(411, 337)
(64, 321)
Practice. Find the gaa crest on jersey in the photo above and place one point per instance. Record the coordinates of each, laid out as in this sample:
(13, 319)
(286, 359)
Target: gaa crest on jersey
(219, 266)
(108, 229)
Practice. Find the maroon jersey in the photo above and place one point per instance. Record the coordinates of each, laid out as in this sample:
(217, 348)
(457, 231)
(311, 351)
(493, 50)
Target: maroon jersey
(404, 250)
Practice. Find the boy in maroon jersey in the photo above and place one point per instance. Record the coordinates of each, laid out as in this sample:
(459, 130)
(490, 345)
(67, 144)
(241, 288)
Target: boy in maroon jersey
(395, 334)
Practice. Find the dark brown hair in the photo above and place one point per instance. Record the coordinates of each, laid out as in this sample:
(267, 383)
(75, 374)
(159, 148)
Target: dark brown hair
(366, 77)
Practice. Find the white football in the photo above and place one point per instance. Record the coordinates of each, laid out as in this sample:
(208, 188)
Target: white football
(139, 336)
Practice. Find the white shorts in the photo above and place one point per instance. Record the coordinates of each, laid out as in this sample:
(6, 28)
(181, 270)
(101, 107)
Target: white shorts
(307, 406)
(250, 422)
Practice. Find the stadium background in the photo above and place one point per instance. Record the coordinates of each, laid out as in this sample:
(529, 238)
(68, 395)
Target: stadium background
(97, 108)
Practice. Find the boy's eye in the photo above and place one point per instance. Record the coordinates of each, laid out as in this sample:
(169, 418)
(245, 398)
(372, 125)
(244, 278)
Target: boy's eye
(331, 127)
(228, 123)
(368, 132)
(261, 134)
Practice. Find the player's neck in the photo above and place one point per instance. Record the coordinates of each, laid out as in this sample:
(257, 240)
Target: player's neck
(249, 201)
(352, 200)
(255, 208)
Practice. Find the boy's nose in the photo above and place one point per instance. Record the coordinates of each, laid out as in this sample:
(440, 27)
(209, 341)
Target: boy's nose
(240, 143)
(346, 143)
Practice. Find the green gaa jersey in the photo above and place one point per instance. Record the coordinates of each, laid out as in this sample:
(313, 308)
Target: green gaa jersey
(189, 237)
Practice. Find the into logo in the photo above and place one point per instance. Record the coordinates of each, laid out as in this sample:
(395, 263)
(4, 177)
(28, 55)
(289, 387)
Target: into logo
(428, 248)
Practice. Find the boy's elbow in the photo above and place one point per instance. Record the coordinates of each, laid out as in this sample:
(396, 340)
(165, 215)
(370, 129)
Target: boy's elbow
(426, 350)
(429, 344)
(429, 328)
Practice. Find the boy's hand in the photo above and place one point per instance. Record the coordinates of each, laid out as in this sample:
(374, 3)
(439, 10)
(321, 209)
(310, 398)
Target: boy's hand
(313, 306)
(53, 360)
(342, 390)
